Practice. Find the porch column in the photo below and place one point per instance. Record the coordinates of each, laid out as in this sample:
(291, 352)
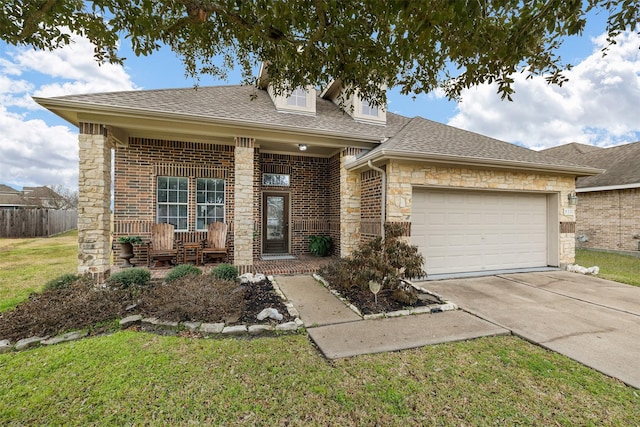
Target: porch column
(243, 206)
(94, 201)
(349, 205)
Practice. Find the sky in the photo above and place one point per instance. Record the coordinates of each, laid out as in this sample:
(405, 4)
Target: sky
(600, 105)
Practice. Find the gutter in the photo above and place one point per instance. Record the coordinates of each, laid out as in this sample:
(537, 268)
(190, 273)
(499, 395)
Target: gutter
(608, 188)
(383, 208)
(383, 154)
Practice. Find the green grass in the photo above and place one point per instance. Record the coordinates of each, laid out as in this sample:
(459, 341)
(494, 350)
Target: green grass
(27, 264)
(616, 267)
(131, 378)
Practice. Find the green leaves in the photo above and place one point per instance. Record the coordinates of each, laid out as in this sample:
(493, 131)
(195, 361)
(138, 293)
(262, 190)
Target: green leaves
(414, 44)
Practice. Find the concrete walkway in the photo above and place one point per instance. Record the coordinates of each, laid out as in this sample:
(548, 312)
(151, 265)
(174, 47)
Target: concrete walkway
(593, 321)
(340, 332)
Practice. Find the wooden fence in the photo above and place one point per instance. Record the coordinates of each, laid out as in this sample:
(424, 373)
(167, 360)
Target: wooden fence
(17, 223)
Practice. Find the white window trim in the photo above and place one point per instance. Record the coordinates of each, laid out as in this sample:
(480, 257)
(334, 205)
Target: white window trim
(223, 204)
(158, 203)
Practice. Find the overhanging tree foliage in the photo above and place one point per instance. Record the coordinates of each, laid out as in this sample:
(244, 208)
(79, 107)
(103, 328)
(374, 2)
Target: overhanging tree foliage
(418, 45)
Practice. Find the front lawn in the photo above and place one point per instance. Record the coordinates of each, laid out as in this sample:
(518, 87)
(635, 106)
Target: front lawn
(616, 267)
(133, 378)
(27, 264)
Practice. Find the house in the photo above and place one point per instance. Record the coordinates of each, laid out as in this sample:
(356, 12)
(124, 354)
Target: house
(278, 168)
(29, 197)
(608, 210)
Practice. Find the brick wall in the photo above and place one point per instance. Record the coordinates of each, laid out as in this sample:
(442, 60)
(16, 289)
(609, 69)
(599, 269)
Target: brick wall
(136, 168)
(334, 202)
(308, 191)
(609, 219)
(370, 204)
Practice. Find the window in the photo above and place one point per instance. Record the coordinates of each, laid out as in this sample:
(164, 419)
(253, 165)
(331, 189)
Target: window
(298, 98)
(173, 200)
(275, 179)
(209, 202)
(368, 109)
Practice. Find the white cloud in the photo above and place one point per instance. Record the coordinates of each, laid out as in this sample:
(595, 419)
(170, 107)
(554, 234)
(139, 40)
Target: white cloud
(599, 104)
(33, 152)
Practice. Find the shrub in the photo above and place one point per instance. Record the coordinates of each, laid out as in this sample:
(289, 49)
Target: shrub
(181, 271)
(225, 272)
(61, 281)
(130, 277)
(320, 245)
(385, 261)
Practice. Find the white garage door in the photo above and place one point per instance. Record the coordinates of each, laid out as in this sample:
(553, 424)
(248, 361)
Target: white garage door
(468, 231)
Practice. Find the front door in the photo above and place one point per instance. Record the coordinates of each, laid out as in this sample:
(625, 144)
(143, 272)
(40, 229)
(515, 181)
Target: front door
(275, 217)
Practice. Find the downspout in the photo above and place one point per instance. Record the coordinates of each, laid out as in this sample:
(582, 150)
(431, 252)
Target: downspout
(383, 208)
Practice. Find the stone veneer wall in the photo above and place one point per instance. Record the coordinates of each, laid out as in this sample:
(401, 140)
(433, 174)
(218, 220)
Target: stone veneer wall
(609, 219)
(402, 177)
(349, 204)
(244, 204)
(94, 201)
(334, 202)
(308, 192)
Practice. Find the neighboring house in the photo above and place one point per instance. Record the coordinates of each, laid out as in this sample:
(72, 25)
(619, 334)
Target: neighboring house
(608, 209)
(10, 198)
(280, 168)
(29, 197)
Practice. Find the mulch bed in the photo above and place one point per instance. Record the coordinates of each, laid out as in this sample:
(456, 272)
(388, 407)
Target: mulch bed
(364, 300)
(82, 305)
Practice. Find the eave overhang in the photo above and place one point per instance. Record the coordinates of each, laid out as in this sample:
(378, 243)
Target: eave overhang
(381, 155)
(150, 123)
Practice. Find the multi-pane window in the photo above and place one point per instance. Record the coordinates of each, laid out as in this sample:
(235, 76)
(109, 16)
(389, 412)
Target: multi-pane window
(298, 98)
(173, 201)
(368, 109)
(209, 202)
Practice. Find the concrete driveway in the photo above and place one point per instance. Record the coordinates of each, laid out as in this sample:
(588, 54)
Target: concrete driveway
(591, 320)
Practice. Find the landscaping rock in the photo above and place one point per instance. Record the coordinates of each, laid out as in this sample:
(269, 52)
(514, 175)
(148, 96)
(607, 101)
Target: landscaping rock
(29, 342)
(235, 330)
(270, 313)
(69, 336)
(166, 324)
(259, 329)
(211, 328)
(289, 326)
(5, 346)
(130, 320)
(192, 325)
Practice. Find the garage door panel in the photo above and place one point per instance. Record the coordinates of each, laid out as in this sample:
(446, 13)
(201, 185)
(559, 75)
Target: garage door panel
(465, 231)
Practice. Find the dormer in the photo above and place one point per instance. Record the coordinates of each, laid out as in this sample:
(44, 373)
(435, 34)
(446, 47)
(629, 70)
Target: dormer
(299, 101)
(355, 106)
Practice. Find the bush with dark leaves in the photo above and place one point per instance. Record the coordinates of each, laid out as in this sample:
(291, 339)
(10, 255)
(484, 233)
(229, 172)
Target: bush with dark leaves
(385, 261)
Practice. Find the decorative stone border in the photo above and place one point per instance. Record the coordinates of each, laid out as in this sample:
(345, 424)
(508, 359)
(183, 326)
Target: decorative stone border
(153, 324)
(435, 308)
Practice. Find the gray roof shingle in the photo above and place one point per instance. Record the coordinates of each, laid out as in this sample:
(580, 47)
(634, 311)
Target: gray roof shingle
(426, 137)
(239, 103)
(621, 164)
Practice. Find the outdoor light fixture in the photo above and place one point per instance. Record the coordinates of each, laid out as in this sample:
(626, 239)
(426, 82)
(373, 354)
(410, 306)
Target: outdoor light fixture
(302, 147)
(573, 199)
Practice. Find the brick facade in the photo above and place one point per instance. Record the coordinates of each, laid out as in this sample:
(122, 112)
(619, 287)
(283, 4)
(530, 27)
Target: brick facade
(370, 204)
(313, 190)
(609, 219)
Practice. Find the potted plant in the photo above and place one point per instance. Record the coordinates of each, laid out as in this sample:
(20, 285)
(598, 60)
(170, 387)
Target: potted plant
(320, 245)
(126, 249)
